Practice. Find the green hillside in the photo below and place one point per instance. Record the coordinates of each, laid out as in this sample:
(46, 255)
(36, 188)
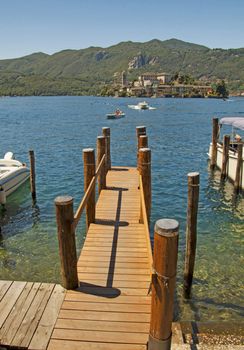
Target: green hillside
(82, 72)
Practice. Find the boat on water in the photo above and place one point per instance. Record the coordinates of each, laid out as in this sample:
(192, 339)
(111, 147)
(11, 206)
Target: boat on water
(116, 115)
(141, 105)
(13, 174)
(237, 123)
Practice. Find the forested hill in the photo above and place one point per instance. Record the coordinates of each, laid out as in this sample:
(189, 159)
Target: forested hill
(82, 72)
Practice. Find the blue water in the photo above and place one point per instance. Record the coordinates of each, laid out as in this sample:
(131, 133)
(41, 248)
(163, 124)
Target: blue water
(179, 131)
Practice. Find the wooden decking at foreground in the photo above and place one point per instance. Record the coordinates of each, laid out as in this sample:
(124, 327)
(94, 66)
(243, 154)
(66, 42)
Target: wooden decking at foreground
(111, 309)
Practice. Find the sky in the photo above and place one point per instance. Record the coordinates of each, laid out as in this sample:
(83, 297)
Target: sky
(49, 26)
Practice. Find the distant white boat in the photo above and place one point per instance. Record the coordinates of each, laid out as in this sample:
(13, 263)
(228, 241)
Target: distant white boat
(116, 115)
(141, 105)
(12, 175)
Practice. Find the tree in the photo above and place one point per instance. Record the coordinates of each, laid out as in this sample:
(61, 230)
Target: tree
(221, 89)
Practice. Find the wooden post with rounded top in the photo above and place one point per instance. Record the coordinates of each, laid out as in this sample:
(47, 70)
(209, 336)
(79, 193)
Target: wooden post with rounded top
(142, 143)
(140, 130)
(215, 134)
(239, 166)
(66, 241)
(144, 163)
(225, 156)
(89, 172)
(166, 233)
(106, 133)
(191, 231)
(101, 149)
(32, 174)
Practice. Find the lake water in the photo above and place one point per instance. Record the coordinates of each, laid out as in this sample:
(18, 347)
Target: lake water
(179, 131)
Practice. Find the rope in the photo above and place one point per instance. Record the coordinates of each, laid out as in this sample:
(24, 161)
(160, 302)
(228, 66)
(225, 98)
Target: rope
(164, 279)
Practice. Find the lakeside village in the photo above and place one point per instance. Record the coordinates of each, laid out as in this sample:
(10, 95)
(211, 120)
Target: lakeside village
(163, 85)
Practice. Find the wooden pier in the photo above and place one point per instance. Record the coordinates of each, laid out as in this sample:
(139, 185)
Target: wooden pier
(116, 295)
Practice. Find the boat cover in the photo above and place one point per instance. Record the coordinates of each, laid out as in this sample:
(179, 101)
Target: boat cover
(236, 122)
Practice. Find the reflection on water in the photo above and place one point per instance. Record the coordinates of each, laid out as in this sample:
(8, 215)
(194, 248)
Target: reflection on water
(179, 131)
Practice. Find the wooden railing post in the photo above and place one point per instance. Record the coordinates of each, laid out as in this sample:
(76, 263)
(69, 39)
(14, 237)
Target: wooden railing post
(163, 283)
(215, 134)
(140, 130)
(106, 133)
(225, 156)
(101, 145)
(239, 166)
(66, 240)
(144, 163)
(191, 231)
(32, 174)
(89, 172)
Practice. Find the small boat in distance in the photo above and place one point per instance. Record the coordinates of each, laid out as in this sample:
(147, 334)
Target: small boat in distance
(116, 115)
(12, 174)
(141, 105)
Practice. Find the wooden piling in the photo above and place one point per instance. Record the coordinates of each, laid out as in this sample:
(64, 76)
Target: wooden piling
(239, 170)
(144, 164)
(215, 135)
(106, 133)
(66, 240)
(89, 172)
(142, 143)
(163, 283)
(140, 130)
(101, 149)
(225, 156)
(191, 231)
(32, 174)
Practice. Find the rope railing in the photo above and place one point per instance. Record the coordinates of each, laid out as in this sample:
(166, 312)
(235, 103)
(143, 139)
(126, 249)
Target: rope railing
(145, 222)
(88, 192)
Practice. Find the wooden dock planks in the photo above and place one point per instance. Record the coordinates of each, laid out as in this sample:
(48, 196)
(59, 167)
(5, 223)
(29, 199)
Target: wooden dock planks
(28, 313)
(111, 309)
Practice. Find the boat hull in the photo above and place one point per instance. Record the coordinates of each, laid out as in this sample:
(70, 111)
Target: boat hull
(231, 167)
(14, 179)
(115, 116)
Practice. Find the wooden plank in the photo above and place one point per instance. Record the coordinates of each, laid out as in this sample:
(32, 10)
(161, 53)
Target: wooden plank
(32, 317)
(106, 307)
(105, 316)
(129, 327)
(106, 337)
(104, 270)
(106, 291)
(130, 259)
(127, 265)
(116, 276)
(121, 299)
(10, 299)
(17, 313)
(4, 286)
(45, 327)
(76, 345)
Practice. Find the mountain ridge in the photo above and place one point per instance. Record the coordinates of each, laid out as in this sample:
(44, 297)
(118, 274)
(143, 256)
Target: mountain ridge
(85, 71)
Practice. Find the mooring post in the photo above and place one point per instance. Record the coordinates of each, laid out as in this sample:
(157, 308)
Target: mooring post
(32, 174)
(66, 240)
(144, 163)
(225, 156)
(101, 149)
(89, 172)
(140, 130)
(166, 232)
(142, 143)
(239, 166)
(215, 135)
(191, 231)
(106, 133)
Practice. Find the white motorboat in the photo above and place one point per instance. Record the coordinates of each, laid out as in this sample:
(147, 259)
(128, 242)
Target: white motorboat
(116, 115)
(141, 105)
(12, 175)
(236, 123)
